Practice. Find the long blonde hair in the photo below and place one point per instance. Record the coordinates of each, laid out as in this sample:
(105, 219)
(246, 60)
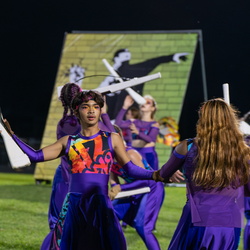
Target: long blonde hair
(223, 156)
(154, 104)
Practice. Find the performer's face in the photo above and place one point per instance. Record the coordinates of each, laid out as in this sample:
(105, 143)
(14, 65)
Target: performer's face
(148, 106)
(129, 115)
(89, 112)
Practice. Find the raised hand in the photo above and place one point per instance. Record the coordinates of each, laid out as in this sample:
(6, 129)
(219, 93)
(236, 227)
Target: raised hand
(7, 126)
(128, 101)
(178, 57)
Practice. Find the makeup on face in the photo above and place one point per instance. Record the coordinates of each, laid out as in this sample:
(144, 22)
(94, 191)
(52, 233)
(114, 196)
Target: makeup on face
(149, 102)
(89, 106)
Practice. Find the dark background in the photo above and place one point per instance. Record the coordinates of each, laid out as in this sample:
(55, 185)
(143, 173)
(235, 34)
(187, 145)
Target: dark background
(32, 34)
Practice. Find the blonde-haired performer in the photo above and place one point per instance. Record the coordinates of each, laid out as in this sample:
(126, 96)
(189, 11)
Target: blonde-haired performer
(216, 165)
(142, 132)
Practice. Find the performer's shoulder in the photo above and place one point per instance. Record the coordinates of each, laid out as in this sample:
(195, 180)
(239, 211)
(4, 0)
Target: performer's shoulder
(107, 133)
(184, 146)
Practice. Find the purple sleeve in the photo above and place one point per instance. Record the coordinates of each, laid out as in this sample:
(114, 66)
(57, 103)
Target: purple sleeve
(137, 172)
(174, 163)
(107, 122)
(102, 126)
(151, 136)
(119, 119)
(68, 126)
(134, 185)
(34, 155)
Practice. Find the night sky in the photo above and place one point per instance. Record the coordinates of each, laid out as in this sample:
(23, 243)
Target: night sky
(32, 36)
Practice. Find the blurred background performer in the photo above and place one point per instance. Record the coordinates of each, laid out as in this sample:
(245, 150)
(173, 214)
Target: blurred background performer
(139, 211)
(144, 131)
(132, 113)
(68, 125)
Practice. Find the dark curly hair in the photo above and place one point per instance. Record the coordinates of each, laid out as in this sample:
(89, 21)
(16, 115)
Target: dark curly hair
(85, 96)
(68, 92)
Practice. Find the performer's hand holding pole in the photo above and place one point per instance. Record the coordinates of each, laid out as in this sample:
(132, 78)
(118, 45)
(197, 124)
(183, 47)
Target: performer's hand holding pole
(17, 157)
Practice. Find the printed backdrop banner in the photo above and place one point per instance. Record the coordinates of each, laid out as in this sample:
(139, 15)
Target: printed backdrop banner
(131, 54)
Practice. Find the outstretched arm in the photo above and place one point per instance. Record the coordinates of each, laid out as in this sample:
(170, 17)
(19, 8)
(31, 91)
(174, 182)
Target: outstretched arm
(50, 152)
(47, 153)
(124, 160)
(147, 66)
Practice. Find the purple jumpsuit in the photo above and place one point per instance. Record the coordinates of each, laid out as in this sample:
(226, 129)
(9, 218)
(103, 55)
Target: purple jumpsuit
(60, 184)
(87, 219)
(147, 132)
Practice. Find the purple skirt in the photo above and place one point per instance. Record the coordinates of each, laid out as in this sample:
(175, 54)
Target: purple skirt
(87, 219)
(187, 236)
(87, 224)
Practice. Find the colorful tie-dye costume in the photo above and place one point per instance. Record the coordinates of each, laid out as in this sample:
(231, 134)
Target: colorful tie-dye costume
(87, 219)
(60, 184)
(140, 211)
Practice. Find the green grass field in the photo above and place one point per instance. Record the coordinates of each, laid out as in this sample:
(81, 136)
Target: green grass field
(24, 206)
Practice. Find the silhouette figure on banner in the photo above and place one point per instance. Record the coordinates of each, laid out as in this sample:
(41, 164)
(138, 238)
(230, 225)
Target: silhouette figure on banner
(122, 66)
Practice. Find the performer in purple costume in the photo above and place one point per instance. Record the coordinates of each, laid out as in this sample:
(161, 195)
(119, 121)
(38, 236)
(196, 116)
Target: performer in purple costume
(216, 165)
(132, 113)
(68, 125)
(139, 211)
(143, 132)
(87, 219)
(245, 129)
